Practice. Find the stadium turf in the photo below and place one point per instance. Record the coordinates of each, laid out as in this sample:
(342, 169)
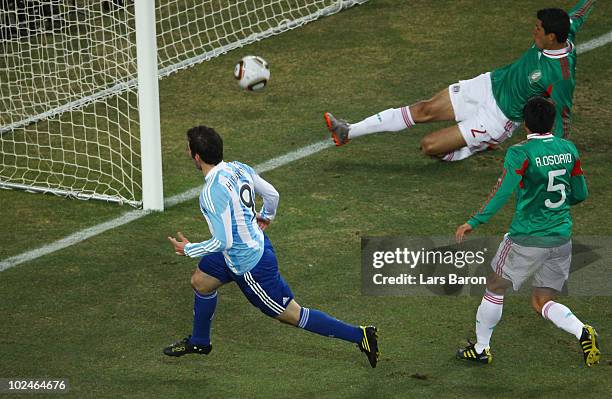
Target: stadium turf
(99, 313)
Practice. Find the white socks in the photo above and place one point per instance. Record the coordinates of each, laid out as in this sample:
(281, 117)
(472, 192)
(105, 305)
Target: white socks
(562, 317)
(488, 315)
(390, 120)
(464, 152)
(396, 119)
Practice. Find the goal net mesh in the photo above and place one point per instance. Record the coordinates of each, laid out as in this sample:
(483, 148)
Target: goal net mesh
(68, 86)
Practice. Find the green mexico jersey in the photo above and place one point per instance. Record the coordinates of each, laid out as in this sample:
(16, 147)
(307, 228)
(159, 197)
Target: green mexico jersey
(545, 173)
(542, 72)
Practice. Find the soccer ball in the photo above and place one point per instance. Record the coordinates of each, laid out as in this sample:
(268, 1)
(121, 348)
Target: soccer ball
(252, 73)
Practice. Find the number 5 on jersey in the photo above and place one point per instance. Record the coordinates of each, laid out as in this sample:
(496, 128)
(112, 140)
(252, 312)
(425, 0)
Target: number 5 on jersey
(555, 187)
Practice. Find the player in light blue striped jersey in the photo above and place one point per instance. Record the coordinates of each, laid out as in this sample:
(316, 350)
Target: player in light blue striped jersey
(239, 251)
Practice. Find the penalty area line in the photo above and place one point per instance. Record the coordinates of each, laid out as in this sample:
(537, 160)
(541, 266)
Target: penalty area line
(130, 216)
(271, 164)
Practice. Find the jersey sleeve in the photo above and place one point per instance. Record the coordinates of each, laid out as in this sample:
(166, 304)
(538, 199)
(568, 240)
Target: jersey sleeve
(515, 165)
(270, 197)
(214, 203)
(578, 15)
(578, 187)
(267, 192)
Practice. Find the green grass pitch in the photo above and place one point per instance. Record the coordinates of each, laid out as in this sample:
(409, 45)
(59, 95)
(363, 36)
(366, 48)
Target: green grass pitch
(99, 313)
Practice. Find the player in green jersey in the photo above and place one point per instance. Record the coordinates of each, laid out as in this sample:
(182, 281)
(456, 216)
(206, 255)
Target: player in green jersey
(489, 108)
(545, 174)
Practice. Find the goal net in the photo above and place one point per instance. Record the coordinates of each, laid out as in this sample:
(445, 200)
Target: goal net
(69, 87)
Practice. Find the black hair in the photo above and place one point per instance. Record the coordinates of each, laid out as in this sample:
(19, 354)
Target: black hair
(207, 143)
(539, 114)
(555, 20)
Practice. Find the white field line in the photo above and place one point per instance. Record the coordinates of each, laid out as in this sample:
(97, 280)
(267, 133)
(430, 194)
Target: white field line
(194, 192)
(130, 216)
(594, 43)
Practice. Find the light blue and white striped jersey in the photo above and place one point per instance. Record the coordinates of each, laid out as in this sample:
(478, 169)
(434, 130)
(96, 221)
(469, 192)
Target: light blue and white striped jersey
(227, 202)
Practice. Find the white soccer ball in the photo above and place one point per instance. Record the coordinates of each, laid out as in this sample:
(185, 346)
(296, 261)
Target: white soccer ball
(252, 73)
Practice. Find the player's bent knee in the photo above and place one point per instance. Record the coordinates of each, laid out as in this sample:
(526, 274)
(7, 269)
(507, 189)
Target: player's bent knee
(291, 314)
(194, 281)
(497, 284)
(201, 284)
(428, 146)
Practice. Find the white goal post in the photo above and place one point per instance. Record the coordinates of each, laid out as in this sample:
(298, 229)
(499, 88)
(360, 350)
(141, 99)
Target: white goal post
(79, 84)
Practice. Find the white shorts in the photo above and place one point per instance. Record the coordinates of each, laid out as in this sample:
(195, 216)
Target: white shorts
(550, 266)
(479, 118)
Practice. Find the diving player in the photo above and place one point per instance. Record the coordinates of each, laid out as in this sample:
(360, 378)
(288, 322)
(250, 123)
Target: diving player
(489, 107)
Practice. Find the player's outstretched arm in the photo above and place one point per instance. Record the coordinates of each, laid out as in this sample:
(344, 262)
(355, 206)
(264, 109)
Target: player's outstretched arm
(579, 14)
(514, 167)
